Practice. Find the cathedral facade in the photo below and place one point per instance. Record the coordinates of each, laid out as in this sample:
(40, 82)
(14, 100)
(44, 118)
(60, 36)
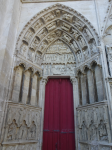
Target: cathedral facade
(56, 75)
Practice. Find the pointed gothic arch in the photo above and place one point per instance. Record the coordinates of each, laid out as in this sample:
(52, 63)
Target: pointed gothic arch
(57, 21)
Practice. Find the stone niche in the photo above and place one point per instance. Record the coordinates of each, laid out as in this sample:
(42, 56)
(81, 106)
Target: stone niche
(93, 127)
(22, 129)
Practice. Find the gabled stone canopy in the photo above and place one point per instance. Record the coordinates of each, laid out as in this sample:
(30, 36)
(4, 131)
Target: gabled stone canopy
(53, 23)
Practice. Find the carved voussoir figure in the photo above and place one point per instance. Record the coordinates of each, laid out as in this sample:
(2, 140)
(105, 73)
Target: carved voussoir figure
(31, 54)
(68, 17)
(50, 16)
(93, 46)
(51, 26)
(42, 33)
(37, 24)
(24, 49)
(66, 26)
(42, 46)
(82, 42)
(78, 23)
(29, 34)
(35, 43)
(87, 34)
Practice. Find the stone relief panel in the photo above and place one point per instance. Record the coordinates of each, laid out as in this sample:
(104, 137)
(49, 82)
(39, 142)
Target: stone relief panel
(23, 124)
(58, 60)
(93, 123)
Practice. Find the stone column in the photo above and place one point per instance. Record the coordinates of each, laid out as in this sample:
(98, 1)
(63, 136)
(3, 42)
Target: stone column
(91, 87)
(17, 84)
(42, 103)
(99, 83)
(26, 86)
(34, 90)
(84, 89)
(76, 103)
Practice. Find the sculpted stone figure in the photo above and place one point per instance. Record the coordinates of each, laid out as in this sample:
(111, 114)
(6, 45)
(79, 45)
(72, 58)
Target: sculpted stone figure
(68, 17)
(87, 34)
(79, 57)
(32, 131)
(79, 24)
(42, 33)
(93, 131)
(50, 16)
(51, 26)
(102, 130)
(51, 37)
(37, 24)
(93, 47)
(66, 27)
(31, 55)
(35, 43)
(43, 46)
(82, 42)
(24, 49)
(67, 37)
(75, 33)
(84, 132)
(22, 133)
(12, 131)
(28, 35)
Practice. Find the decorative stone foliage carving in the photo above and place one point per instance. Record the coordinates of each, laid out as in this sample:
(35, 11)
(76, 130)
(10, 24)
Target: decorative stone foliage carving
(51, 24)
(23, 123)
(93, 123)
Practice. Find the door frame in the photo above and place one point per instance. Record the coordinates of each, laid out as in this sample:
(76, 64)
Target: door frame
(43, 83)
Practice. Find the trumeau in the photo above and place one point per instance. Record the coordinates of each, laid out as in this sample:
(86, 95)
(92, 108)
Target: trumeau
(40, 1)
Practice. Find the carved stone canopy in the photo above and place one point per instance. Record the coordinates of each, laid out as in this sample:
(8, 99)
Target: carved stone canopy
(57, 22)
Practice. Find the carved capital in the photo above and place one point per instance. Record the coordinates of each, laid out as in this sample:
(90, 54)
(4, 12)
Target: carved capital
(44, 80)
(73, 80)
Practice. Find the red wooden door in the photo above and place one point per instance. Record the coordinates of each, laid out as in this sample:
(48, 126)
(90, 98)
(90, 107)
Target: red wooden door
(58, 132)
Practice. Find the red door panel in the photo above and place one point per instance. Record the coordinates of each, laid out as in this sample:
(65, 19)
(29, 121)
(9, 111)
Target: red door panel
(58, 133)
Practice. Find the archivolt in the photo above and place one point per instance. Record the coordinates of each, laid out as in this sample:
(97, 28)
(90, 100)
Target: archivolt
(57, 22)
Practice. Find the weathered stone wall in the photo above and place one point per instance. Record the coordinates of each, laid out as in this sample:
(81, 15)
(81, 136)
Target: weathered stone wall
(24, 40)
